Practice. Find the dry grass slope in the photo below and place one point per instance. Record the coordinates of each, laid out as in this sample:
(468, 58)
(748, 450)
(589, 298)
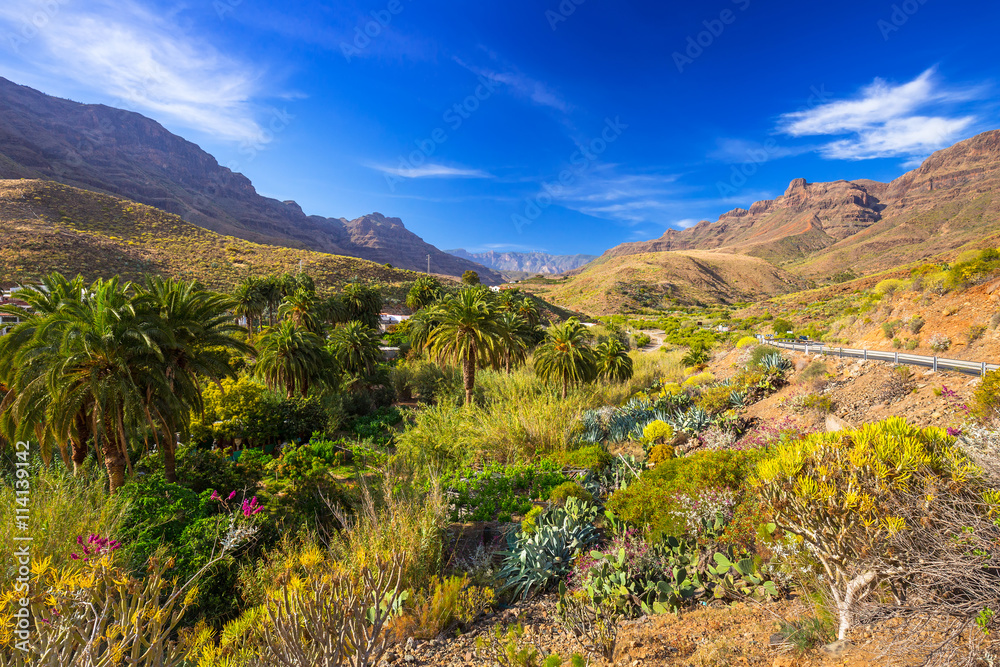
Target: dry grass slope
(52, 227)
(627, 283)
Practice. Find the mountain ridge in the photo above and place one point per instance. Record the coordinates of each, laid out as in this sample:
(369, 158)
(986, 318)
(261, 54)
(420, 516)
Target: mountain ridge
(526, 262)
(123, 153)
(812, 228)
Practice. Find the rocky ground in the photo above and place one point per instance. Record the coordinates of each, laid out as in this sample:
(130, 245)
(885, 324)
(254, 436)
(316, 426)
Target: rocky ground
(861, 391)
(703, 637)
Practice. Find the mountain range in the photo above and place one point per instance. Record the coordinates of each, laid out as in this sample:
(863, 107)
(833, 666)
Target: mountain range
(817, 229)
(122, 153)
(812, 234)
(524, 262)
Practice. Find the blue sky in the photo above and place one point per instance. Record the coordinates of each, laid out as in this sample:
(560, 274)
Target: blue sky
(557, 126)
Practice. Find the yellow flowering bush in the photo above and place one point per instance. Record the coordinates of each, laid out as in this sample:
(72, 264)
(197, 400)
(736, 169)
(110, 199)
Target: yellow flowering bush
(864, 501)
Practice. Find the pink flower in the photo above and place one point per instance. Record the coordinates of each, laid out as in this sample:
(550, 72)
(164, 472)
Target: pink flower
(231, 496)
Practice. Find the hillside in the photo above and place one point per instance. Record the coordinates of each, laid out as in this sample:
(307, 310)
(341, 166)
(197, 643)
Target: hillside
(524, 262)
(122, 153)
(626, 283)
(52, 227)
(816, 230)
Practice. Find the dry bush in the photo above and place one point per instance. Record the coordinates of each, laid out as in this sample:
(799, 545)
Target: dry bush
(335, 616)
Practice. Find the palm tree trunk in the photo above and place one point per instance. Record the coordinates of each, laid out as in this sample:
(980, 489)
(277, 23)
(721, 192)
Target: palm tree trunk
(79, 444)
(169, 461)
(469, 376)
(114, 460)
(564, 388)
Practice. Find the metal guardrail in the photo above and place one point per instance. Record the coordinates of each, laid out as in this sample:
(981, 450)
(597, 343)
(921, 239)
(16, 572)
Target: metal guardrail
(934, 363)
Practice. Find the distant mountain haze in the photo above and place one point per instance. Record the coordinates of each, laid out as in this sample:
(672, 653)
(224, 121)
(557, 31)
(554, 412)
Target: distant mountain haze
(122, 153)
(527, 262)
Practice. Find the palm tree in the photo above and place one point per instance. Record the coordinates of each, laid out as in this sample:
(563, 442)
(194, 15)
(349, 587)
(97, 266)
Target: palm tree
(23, 359)
(362, 303)
(613, 362)
(425, 291)
(106, 362)
(355, 348)
(250, 301)
(466, 334)
(195, 338)
(302, 307)
(528, 310)
(516, 338)
(565, 356)
(290, 358)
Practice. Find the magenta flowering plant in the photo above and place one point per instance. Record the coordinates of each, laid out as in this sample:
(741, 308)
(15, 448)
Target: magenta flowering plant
(94, 546)
(248, 507)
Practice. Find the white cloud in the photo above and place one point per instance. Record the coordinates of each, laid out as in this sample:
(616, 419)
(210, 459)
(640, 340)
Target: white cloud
(142, 61)
(431, 171)
(522, 86)
(919, 135)
(884, 120)
(685, 223)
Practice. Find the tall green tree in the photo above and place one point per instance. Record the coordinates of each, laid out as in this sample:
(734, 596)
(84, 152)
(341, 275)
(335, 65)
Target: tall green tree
(466, 334)
(516, 339)
(291, 358)
(196, 339)
(355, 348)
(362, 303)
(25, 352)
(565, 357)
(250, 301)
(302, 307)
(106, 360)
(425, 291)
(613, 362)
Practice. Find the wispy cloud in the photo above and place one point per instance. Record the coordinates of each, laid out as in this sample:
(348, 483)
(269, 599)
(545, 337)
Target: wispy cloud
(143, 61)
(886, 120)
(521, 85)
(626, 198)
(741, 150)
(431, 171)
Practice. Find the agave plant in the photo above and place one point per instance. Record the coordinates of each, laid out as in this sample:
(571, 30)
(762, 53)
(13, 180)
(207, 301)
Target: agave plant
(536, 562)
(738, 399)
(692, 422)
(775, 361)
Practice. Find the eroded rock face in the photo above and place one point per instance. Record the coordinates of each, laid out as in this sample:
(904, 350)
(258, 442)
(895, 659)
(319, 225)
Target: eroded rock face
(126, 154)
(864, 224)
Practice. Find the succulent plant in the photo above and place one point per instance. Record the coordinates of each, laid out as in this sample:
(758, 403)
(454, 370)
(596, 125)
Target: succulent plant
(537, 561)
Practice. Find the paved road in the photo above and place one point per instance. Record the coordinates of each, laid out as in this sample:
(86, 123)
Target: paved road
(967, 367)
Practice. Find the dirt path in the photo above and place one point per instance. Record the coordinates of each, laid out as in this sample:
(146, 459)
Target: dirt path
(656, 339)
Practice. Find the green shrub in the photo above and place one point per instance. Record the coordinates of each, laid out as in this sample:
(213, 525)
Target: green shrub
(592, 457)
(912, 343)
(746, 341)
(566, 490)
(714, 400)
(915, 324)
(760, 352)
(889, 329)
(986, 400)
(975, 332)
(890, 286)
(641, 340)
(897, 343)
(652, 501)
(530, 521)
(814, 372)
(499, 492)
